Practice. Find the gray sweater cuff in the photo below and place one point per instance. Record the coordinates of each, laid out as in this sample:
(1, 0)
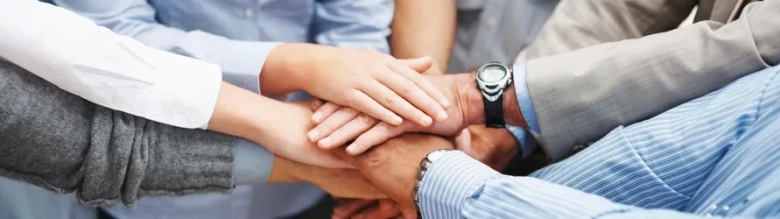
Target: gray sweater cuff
(154, 159)
(63, 143)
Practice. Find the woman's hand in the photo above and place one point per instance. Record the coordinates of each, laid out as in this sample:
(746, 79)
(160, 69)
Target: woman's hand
(344, 124)
(278, 126)
(370, 82)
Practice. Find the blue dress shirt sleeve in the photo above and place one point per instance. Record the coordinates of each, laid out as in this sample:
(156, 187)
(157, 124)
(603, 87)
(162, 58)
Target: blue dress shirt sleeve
(253, 163)
(523, 136)
(241, 61)
(363, 24)
(457, 186)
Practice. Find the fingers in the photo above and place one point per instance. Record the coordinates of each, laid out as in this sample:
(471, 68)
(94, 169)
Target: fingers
(391, 100)
(386, 203)
(420, 65)
(348, 132)
(333, 122)
(363, 103)
(409, 213)
(377, 212)
(350, 207)
(376, 135)
(324, 112)
(316, 104)
(410, 91)
(423, 83)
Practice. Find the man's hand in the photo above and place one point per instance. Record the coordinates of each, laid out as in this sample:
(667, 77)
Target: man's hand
(347, 183)
(365, 208)
(344, 124)
(393, 167)
(493, 147)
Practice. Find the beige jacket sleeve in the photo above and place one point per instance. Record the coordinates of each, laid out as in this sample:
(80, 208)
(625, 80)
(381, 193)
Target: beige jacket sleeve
(579, 96)
(580, 23)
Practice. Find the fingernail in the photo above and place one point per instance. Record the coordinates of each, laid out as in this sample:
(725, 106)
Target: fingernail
(441, 116)
(397, 120)
(325, 142)
(426, 120)
(352, 149)
(409, 213)
(316, 117)
(313, 134)
(444, 103)
(385, 205)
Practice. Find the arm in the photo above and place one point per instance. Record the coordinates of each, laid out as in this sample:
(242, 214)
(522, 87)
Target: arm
(618, 83)
(110, 70)
(354, 24)
(370, 81)
(578, 24)
(458, 186)
(63, 143)
(424, 28)
(476, 191)
(240, 61)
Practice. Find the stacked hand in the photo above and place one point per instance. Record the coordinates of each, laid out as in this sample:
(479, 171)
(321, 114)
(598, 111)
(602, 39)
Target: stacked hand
(339, 125)
(494, 147)
(370, 82)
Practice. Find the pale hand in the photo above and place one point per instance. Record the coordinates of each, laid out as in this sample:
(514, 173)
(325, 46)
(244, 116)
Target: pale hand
(368, 81)
(344, 124)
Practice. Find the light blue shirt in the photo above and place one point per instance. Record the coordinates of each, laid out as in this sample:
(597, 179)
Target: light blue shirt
(523, 136)
(716, 156)
(238, 35)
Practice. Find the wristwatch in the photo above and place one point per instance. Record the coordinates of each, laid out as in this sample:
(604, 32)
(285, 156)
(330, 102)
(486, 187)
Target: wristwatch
(424, 165)
(492, 78)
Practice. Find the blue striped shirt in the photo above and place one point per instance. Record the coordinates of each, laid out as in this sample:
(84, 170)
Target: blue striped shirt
(715, 156)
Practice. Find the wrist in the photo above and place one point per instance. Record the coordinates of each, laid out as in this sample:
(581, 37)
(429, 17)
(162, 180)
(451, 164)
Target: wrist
(285, 68)
(282, 171)
(473, 106)
(470, 99)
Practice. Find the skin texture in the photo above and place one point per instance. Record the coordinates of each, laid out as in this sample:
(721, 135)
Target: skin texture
(424, 28)
(478, 142)
(368, 81)
(392, 167)
(348, 183)
(345, 125)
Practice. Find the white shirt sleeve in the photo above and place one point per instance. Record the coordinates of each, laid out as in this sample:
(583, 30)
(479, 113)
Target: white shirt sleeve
(105, 68)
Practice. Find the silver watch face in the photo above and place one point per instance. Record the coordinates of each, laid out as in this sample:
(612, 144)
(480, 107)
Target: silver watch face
(492, 73)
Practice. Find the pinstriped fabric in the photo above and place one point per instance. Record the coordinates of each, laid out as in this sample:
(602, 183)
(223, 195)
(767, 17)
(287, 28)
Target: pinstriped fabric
(718, 155)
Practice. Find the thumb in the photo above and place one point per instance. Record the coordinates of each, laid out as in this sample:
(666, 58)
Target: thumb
(420, 65)
(463, 140)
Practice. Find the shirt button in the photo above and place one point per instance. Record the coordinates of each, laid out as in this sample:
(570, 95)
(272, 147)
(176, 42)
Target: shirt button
(248, 12)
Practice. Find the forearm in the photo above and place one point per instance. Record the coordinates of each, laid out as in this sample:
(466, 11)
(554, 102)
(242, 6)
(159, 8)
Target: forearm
(63, 143)
(456, 186)
(424, 28)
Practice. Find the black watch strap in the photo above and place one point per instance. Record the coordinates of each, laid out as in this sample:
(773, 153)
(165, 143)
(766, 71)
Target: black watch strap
(494, 112)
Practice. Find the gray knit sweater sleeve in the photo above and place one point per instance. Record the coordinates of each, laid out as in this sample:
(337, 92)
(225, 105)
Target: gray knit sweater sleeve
(63, 143)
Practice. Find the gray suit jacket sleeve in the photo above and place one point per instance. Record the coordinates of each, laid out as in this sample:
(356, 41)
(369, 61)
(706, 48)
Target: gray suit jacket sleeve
(579, 96)
(577, 24)
(63, 143)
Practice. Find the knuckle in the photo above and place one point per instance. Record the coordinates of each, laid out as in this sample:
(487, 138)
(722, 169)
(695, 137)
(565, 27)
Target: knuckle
(374, 160)
(365, 119)
(389, 99)
(325, 127)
